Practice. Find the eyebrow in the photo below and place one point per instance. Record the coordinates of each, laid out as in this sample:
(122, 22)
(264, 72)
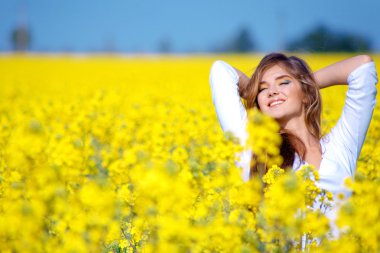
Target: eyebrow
(279, 77)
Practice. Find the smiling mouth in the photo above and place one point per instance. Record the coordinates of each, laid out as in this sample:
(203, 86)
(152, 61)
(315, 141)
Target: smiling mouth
(275, 103)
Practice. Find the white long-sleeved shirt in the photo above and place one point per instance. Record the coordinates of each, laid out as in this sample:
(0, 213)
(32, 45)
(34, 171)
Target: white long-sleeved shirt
(340, 147)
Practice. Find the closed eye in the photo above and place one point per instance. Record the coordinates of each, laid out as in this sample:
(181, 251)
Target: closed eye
(285, 82)
(261, 89)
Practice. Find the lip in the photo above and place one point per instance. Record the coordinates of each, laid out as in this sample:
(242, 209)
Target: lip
(275, 100)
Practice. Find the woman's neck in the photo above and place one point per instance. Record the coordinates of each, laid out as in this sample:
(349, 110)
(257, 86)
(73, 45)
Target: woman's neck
(298, 128)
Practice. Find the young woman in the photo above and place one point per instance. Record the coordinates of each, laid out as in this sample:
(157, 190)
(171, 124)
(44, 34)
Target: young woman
(286, 89)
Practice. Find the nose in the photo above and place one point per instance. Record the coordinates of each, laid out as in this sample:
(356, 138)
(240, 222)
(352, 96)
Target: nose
(272, 91)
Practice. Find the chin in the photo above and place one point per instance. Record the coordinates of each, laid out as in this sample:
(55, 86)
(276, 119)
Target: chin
(279, 119)
(275, 115)
(278, 116)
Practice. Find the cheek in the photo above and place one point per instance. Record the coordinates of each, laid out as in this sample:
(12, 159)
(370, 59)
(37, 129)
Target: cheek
(301, 97)
(298, 90)
(260, 101)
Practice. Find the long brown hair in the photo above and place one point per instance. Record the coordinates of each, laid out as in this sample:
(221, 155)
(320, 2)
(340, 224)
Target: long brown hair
(299, 70)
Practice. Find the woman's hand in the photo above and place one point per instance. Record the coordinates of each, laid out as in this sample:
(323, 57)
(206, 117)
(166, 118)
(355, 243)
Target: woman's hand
(337, 73)
(243, 82)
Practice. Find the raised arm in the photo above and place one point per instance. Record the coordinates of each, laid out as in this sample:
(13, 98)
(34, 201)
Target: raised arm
(225, 82)
(243, 82)
(232, 116)
(338, 73)
(348, 135)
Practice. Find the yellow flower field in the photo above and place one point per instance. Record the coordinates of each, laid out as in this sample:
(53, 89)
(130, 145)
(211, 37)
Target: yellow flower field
(125, 154)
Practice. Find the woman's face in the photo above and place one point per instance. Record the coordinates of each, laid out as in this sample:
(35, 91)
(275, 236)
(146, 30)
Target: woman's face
(280, 95)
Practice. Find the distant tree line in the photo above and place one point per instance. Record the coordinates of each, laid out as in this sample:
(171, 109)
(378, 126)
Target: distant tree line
(322, 39)
(21, 38)
(241, 42)
(319, 39)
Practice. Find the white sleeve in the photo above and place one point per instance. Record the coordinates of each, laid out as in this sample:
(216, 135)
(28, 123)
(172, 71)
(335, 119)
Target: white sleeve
(350, 131)
(229, 108)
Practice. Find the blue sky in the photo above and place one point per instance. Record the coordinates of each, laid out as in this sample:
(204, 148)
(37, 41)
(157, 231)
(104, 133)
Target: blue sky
(189, 25)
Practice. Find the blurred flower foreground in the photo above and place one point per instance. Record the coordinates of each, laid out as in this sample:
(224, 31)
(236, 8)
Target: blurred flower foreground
(113, 154)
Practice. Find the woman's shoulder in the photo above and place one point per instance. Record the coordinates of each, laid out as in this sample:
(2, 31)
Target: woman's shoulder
(336, 162)
(331, 146)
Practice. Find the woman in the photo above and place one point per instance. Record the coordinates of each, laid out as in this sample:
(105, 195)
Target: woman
(285, 88)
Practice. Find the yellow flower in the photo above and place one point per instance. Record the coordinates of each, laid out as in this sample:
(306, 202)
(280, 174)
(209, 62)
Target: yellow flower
(110, 154)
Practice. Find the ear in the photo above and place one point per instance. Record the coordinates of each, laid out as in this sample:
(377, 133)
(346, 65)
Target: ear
(304, 100)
